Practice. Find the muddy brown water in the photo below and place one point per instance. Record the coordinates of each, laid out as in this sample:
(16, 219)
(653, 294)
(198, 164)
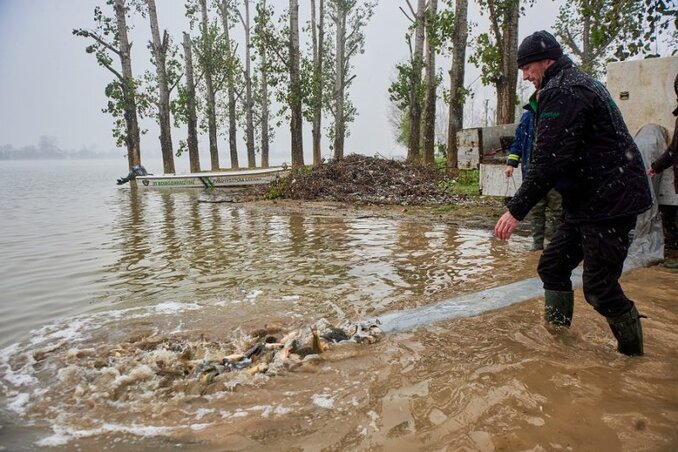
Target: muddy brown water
(496, 381)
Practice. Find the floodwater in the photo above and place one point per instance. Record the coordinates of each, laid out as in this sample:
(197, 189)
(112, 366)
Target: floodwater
(102, 288)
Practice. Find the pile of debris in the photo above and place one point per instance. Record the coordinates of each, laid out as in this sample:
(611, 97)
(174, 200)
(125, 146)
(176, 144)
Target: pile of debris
(368, 180)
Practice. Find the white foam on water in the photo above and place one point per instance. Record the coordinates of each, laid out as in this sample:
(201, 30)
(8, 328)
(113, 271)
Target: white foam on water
(69, 330)
(275, 411)
(18, 404)
(281, 410)
(63, 435)
(291, 298)
(252, 296)
(173, 307)
(199, 426)
(202, 412)
(323, 401)
(16, 378)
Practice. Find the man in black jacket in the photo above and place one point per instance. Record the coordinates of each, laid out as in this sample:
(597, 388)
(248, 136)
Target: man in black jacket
(582, 149)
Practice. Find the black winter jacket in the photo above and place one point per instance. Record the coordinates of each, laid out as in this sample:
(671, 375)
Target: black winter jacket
(582, 149)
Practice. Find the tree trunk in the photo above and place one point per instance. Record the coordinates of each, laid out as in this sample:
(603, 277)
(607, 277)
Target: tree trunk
(264, 105)
(159, 51)
(211, 101)
(132, 136)
(587, 54)
(508, 45)
(413, 148)
(296, 121)
(318, 37)
(340, 82)
(430, 104)
(249, 120)
(457, 91)
(230, 88)
(192, 141)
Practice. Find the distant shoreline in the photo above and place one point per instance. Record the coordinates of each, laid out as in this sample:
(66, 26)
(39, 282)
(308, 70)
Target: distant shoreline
(21, 155)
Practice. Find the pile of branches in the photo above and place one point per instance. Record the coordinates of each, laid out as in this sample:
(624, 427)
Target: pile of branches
(369, 180)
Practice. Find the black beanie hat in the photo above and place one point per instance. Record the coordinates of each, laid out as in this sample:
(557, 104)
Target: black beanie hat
(540, 45)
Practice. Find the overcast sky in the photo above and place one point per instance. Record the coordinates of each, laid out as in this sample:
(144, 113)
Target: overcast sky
(50, 86)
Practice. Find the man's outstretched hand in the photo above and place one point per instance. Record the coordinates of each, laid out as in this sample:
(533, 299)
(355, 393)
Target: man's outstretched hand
(505, 226)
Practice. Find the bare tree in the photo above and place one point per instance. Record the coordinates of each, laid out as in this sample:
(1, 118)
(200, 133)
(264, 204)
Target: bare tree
(295, 93)
(283, 69)
(339, 18)
(457, 91)
(414, 72)
(122, 92)
(431, 85)
(318, 38)
(159, 49)
(497, 56)
(350, 18)
(191, 110)
(249, 106)
(507, 37)
(261, 23)
(205, 57)
(225, 6)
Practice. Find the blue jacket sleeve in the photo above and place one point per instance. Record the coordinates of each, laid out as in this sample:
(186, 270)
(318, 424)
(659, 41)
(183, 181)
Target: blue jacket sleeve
(517, 149)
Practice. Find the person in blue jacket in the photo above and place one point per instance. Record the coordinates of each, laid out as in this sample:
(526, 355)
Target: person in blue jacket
(543, 225)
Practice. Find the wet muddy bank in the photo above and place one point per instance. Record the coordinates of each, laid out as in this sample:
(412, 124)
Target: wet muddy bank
(474, 212)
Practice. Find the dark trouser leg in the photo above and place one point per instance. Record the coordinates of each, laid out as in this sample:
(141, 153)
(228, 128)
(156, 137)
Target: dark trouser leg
(554, 205)
(538, 223)
(670, 226)
(562, 255)
(605, 245)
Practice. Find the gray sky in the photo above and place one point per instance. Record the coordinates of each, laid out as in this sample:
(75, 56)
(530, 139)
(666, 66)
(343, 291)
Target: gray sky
(50, 86)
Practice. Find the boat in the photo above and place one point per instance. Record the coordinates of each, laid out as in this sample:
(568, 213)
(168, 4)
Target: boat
(217, 179)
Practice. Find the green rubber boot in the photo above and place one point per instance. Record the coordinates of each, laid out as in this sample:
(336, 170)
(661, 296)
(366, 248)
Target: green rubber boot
(558, 307)
(626, 328)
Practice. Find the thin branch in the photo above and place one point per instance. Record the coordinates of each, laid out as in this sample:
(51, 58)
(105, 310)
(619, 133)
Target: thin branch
(406, 15)
(411, 9)
(101, 41)
(174, 85)
(495, 23)
(113, 70)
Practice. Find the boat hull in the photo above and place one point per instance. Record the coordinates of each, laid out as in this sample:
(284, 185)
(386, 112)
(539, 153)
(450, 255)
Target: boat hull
(233, 179)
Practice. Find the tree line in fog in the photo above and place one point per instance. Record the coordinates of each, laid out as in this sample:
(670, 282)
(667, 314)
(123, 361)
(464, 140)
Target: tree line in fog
(47, 149)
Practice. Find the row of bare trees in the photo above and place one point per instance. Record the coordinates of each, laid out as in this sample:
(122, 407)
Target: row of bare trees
(213, 88)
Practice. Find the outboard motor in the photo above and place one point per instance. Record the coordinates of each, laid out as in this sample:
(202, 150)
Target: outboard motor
(137, 170)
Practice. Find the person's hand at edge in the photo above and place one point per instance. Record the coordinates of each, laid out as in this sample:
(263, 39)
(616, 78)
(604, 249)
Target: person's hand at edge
(505, 226)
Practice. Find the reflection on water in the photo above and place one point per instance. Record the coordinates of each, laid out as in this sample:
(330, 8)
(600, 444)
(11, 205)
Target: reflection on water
(171, 247)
